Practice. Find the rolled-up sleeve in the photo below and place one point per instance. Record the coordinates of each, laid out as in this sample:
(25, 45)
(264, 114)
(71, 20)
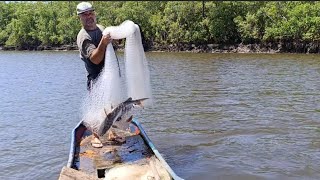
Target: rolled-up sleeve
(87, 48)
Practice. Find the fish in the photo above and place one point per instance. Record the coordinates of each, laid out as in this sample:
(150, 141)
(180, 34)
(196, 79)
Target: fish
(119, 114)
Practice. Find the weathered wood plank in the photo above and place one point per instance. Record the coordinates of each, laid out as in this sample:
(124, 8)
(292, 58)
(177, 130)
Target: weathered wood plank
(72, 174)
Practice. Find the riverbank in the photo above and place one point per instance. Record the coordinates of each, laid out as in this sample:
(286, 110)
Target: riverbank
(281, 47)
(277, 47)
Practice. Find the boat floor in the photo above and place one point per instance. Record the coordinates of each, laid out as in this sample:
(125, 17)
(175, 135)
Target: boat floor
(129, 159)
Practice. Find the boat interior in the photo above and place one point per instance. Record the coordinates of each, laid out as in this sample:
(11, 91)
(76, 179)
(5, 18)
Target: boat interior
(124, 155)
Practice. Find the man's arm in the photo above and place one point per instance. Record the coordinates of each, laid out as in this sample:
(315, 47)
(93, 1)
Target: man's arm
(97, 55)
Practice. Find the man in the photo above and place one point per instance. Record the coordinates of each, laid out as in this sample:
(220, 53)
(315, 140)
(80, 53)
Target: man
(92, 46)
(91, 43)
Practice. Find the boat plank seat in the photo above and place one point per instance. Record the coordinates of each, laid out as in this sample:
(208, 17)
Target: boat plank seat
(72, 174)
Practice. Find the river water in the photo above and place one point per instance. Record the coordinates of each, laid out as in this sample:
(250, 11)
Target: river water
(215, 116)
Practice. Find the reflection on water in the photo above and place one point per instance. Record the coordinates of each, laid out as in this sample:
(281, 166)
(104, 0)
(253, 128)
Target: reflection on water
(215, 116)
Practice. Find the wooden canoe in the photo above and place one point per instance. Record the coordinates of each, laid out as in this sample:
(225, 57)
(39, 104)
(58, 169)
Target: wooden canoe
(133, 157)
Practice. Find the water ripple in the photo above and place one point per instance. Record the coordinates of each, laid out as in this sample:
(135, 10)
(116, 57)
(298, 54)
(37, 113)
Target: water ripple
(216, 116)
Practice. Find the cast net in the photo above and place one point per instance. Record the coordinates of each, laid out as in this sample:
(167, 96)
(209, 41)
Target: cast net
(114, 86)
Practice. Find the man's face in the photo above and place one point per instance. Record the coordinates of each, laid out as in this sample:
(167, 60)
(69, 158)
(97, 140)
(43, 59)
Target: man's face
(88, 20)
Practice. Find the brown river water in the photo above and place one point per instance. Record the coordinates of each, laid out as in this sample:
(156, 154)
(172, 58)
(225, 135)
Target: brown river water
(215, 116)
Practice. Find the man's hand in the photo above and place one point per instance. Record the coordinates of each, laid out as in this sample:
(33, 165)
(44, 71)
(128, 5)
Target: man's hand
(98, 54)
(106, 39)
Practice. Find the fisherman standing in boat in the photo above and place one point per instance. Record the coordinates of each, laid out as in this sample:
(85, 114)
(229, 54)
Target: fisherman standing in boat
(92, 46)
(91, 43)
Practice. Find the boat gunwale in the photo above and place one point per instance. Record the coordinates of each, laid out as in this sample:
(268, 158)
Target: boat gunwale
(73, 146)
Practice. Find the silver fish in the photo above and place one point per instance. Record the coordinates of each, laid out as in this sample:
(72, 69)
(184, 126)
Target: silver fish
(117, 114)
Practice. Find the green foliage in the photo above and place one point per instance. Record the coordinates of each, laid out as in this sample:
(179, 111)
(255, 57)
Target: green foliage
(222, 28)
(46, 24)
(106, 12)
(184, 22)
(251, 25)
(55, 23)
(68, 24)
(22, 29)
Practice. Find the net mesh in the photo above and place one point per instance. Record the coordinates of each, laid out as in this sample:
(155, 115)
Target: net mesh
(113, 87)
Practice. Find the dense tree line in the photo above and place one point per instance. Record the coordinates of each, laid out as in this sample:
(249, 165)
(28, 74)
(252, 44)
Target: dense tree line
(28, 25)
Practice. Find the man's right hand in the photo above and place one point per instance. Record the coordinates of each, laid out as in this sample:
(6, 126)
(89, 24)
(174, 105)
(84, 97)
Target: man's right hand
(106, 39)
(98, 54)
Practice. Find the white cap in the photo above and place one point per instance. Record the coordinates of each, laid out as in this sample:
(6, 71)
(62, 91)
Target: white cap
(84, 7)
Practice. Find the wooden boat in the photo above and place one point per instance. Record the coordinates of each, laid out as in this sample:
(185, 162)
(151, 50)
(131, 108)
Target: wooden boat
(133, 157)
